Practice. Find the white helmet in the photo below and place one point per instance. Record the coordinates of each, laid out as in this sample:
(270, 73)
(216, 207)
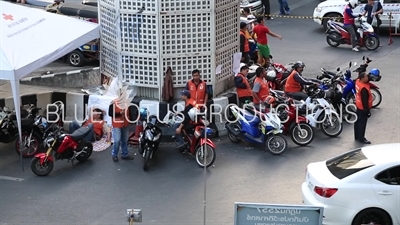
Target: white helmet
(353, 3)
(271, 74)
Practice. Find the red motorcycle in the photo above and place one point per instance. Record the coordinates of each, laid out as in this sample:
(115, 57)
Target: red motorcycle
(62, 146)
(337, 35)
(197, 139)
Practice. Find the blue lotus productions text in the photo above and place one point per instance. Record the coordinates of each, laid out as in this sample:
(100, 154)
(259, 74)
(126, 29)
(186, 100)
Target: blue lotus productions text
(26, 28)
(277, 220)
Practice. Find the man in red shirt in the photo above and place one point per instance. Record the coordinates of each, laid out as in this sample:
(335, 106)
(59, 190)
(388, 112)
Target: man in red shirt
(260, 32)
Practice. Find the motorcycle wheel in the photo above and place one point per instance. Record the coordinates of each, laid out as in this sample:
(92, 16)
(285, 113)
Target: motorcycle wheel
(331, 41)
(85, 156)
(30, 150)
(232, 137)
(336, 123)
(200, 155)
(372, 43)
(146, 159)
(41, 170)
(276, 144)
(377, 97)
(304, 136)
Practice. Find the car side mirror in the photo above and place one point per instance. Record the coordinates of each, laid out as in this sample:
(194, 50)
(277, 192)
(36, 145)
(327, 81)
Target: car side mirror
(338, 69)
(270, 56)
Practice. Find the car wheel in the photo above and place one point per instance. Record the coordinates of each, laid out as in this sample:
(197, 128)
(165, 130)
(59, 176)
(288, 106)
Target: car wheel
(372, 216)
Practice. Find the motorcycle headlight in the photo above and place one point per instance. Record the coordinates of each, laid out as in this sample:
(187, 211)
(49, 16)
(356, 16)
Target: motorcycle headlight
(149, 135)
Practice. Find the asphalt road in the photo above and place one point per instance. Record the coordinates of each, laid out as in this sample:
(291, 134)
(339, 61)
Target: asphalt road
(171, 193)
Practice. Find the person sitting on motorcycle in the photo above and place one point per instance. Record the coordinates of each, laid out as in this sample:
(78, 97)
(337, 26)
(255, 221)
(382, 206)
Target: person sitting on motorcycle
(349, 23)
(296, 81)
(260, 88)
(98, 127)
(185, 123)
(243, 88)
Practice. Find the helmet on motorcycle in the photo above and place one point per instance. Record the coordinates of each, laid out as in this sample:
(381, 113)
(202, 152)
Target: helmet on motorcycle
(143, 114)
(271, 75)
(374, 75)
(353, 3)
(299, 64)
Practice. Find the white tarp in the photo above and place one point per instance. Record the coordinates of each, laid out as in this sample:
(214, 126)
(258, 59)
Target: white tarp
(32, 38)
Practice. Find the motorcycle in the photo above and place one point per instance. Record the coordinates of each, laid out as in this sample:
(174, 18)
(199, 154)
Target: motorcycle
(35, 129)
(8, 124)
(257, 127)
(62, 146)
(196, 139)
(150, 138)
(294, 124)
(337, 34)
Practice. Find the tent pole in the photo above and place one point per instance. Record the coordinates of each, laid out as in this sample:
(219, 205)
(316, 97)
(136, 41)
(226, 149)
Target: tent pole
(17, 106)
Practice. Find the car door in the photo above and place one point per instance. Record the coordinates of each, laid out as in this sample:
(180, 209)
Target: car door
(389, 6)
(386, 186)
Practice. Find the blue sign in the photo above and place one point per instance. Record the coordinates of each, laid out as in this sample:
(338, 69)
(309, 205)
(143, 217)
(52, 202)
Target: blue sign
(266, 214)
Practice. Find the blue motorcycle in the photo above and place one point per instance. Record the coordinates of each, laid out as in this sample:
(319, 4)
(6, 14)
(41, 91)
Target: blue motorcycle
(256, 127)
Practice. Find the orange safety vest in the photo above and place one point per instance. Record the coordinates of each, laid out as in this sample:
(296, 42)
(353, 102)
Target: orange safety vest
(241, 92)
(264, 90)
(291, 84)
(359, 86)
(117, 120)
(198, 92)
(190, 101)
(246, 42)
(97, 126)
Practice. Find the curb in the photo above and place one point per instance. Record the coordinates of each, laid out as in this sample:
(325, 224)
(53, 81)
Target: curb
(75, 105)
(29, 79)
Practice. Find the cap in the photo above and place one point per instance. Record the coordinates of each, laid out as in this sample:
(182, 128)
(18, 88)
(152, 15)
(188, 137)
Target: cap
(186, 93)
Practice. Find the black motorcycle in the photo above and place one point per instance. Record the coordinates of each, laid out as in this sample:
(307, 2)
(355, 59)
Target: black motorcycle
(35, 128)
(149, 139)
(8, 124)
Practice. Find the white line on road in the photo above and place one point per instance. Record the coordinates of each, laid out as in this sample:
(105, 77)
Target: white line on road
(11, 178)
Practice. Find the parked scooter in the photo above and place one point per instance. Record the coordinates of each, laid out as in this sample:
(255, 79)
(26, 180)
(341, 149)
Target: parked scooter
(62, 146)
(150, 138)
(256, 127)
(198, 142)
(337, 35)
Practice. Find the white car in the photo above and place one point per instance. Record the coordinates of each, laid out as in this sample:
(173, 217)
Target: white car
(360, 187)
(255, 6)
(335, 8)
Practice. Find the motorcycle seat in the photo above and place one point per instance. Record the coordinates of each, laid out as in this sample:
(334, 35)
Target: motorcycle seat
(80, 133)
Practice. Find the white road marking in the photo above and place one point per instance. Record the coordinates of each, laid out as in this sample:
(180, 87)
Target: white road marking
(11, 178)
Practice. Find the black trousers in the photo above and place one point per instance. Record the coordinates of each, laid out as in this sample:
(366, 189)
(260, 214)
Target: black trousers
(242, 100)
(267, 8)
(360, 125)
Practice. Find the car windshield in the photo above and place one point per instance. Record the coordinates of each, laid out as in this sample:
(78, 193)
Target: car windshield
(347, 164)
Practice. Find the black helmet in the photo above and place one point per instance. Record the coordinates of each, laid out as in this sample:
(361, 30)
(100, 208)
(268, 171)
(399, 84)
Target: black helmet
(299, 64)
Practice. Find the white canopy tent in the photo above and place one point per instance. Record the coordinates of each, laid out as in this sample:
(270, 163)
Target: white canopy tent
(32, 38)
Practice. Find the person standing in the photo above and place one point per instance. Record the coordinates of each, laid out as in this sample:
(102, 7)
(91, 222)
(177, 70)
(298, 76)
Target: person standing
(243, 89)
(197, 88)
(364, 104)
(267, 9)
(349, 24)
(120, 122)
(260, 88)
(284, 7)
(244, 43)
(262, 39)
(373, 9)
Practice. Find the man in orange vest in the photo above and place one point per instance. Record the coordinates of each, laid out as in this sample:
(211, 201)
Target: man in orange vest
(120, 123)
(364, 104)
(189, 104)
(244, 43)
(296, 81)
(260, 88)
(243, 89)
(197, 88)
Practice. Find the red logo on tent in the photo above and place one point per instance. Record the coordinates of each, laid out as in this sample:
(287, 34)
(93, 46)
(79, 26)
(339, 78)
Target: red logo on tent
(7, 17)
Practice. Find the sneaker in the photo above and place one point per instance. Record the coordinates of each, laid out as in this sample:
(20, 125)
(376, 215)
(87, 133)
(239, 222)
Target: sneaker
(288, 12)
(355, 49)
(128, 157)
(115, 158)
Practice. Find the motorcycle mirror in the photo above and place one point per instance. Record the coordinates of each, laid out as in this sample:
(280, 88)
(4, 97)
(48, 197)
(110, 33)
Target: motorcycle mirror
(350, 64)
(270, 56)
(338, 69)
(363, 58)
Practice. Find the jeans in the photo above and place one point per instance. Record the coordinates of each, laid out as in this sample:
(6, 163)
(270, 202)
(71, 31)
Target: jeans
(352, 29)
(178, 137)
(298, 95)
(283, 6)
(121, 136)
(75, 126)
